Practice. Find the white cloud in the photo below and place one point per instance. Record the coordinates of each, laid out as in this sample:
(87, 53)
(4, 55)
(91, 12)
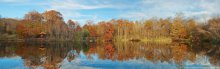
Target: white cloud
(140, 9)
(133, 15)
(70, 8)
(14, 1)
(77, 5)
(167, 8)
(24, 3)
(137, 10)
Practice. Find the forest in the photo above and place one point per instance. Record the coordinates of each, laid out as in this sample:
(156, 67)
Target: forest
(163, 30)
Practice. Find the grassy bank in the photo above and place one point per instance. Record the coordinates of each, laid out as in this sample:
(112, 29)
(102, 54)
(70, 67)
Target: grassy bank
(157, 40)
(144, 39)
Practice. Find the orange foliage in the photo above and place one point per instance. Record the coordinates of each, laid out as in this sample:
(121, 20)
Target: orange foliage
(92, 29)
(179, 52)
(21, 30)
(109, 30)
(109, 51)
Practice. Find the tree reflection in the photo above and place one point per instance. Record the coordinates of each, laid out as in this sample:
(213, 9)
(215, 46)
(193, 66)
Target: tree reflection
(31, 55)
(154, 52)
(109, 50)
(50, 55)
(210, 50)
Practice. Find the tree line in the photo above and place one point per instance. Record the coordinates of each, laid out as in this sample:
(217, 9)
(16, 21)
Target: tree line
(155, 29)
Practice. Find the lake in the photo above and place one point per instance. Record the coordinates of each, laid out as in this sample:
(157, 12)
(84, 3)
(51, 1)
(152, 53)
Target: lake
(118, 55)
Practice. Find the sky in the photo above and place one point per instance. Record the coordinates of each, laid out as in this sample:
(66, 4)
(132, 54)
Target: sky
(102, 10)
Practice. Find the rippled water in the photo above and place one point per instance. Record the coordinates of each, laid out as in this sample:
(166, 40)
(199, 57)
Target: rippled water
(129, 55)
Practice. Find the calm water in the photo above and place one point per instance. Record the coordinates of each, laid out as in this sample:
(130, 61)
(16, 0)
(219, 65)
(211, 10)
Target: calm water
(130, 55)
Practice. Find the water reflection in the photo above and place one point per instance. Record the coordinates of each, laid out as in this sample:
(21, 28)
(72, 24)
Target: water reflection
(107, 55)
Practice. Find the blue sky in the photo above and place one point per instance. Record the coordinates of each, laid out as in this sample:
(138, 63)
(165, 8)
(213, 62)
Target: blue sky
(98, 10)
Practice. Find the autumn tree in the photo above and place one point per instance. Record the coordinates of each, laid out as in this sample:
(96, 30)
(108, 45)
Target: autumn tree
(105, 30)
(178, 30)
(28, 29)
(21, 30)
(34, 16)
(74, 30)
(148, 27)
(148, 24)
(122, 29)
(91, 28)
(56, 25)
(191, 27)
(52, 23)
(1, 25)
(214, 27)
(164, 25)
(71, 24)
(31, 25)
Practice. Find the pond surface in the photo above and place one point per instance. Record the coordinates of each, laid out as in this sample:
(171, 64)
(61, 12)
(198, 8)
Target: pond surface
(129, 55)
